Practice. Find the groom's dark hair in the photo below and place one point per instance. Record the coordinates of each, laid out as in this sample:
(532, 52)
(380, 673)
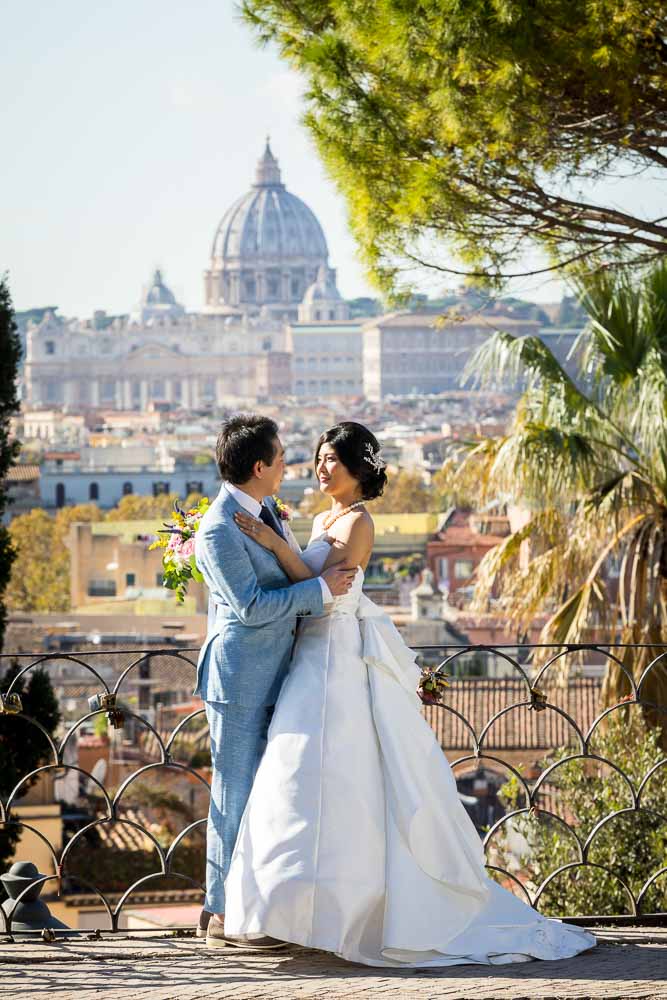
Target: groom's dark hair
(244, 440)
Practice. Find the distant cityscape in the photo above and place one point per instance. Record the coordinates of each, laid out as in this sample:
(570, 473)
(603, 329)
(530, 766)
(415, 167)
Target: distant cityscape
(131, 403)
(129, 406)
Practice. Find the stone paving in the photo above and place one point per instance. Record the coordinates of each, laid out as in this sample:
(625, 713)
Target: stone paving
(628, 964)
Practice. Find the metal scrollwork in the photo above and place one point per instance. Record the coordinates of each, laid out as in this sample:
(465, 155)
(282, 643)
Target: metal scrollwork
(491, 723)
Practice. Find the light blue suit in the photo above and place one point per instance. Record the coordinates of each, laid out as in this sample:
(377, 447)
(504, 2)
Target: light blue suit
(241, 667)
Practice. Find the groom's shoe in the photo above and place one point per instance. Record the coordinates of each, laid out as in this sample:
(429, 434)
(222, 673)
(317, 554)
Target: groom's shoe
(216, 938)
(204, 921)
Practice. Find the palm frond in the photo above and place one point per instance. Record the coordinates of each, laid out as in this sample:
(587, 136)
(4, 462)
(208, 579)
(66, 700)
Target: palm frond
(504, 359)
(655, 306)
(617, 339)
(551, 464)
(569, 624)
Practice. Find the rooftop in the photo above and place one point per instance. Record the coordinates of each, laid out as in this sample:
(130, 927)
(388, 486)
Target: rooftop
(404, 320)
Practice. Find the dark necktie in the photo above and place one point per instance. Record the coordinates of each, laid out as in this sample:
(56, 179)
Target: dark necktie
(265, 516)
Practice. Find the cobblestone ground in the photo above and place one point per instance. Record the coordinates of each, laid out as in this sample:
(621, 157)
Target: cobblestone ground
(627, 965)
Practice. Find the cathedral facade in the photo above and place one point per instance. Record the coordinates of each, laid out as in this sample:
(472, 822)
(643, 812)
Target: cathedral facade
(269, 267)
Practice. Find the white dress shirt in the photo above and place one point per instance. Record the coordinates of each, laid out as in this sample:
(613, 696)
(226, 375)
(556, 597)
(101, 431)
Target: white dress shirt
(254, 507)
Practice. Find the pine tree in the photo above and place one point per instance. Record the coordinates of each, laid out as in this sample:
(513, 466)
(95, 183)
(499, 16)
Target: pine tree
(23, 747)
(10, 354)
(483, 128)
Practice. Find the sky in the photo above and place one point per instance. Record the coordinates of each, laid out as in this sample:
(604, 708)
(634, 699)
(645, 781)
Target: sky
(128, 129)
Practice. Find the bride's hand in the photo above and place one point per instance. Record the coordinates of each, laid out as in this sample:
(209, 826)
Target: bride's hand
(257, 530)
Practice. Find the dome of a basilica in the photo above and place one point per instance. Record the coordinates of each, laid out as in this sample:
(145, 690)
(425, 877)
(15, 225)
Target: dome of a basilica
(267, 249)
(158, 302)
(323, 289)
(157, 293)
(268, 221)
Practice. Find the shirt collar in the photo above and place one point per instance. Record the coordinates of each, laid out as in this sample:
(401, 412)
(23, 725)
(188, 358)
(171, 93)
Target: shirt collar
(244, 499)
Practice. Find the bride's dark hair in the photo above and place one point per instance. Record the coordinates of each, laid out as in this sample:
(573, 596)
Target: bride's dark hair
(359, 452)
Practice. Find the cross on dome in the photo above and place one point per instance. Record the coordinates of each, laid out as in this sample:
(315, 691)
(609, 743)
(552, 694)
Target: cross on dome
(268, 171)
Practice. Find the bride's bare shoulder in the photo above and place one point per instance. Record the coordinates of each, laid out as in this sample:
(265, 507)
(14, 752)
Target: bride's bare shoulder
(318, 524)
(358, 524)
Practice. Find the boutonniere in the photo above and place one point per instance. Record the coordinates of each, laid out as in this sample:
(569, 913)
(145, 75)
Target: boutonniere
(284, 513)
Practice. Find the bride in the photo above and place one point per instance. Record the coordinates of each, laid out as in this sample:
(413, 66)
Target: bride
(354, 839)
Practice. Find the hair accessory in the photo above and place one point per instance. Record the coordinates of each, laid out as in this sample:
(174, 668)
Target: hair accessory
(374, 458)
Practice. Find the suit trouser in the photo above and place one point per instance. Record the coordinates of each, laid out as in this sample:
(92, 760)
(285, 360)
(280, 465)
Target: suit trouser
(238, 740)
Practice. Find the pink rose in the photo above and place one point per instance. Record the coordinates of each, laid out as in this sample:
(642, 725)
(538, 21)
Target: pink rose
(188, 548)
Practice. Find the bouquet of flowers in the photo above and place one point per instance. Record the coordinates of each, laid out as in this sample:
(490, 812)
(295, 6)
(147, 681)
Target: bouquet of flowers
(177, 538)
(432, 684)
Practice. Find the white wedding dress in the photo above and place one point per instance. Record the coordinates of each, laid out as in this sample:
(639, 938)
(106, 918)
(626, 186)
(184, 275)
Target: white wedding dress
(354, 839)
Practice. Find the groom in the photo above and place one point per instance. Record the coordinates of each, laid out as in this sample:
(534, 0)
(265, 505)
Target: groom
(252, 625)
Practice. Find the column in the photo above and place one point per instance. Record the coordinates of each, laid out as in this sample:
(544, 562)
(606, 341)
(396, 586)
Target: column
(143, 395)
(95, 392)
(194, 392)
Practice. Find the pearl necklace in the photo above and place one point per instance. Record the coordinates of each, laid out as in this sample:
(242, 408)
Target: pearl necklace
(329, 520)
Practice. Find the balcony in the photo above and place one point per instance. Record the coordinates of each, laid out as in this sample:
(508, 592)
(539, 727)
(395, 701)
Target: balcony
(114, 813)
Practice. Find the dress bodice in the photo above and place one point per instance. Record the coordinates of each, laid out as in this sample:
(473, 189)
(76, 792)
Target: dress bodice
(315, 556)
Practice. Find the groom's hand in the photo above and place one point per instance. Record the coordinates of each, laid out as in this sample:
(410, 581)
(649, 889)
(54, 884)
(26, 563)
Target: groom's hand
(339, 579)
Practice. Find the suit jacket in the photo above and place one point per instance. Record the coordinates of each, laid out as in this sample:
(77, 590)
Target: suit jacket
(251, 631)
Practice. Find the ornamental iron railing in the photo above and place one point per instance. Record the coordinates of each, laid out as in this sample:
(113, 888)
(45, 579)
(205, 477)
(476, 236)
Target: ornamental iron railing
(570, 797)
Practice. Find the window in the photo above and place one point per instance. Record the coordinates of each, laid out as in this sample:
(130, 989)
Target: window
(266, 344)
(60, 494)
(127, 489)
(272, 287)
(130, 579)
(463, 569)
(159, 579)
(101, 588)
(178, 390)
(107, 390)
(296, 288)
(50, 347)
(249, 288)
(160, 488)
(93, 492)
(157, 388)
(194, 486)
(443, 569)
